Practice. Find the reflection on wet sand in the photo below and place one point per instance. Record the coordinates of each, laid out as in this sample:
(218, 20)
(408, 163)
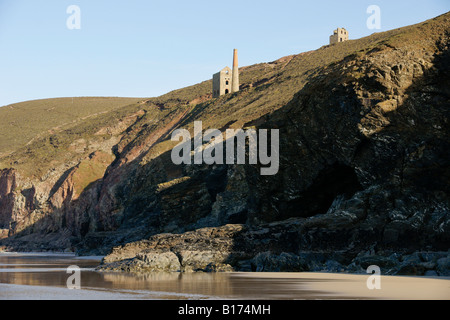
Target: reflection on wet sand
(21, 270)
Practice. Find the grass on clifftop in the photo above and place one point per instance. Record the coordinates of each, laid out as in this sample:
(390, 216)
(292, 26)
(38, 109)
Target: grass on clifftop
(21, 122)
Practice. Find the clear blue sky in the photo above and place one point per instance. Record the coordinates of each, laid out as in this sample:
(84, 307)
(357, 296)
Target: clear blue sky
(144, 48)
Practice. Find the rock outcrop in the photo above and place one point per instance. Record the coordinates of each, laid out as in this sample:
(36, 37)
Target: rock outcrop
(274, 247)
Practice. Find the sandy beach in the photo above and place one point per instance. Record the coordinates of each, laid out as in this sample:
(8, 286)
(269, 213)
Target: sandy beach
(43, 276)
(315, 286)
(350, 286)
(26, 292)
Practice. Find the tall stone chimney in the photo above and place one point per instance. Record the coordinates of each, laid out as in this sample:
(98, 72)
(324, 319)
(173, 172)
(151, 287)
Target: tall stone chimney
(235, 79)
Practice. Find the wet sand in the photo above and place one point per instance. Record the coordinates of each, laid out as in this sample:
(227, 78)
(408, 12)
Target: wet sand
(26, 292)
(302, 285)
(350, 286)
(44, 276)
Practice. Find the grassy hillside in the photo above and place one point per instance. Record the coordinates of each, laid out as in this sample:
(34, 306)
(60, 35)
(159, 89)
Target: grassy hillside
(22, 122)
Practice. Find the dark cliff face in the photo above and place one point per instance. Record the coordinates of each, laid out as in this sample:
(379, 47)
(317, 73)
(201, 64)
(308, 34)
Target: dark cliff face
(371, 137)
(364, 165)
(7, 186)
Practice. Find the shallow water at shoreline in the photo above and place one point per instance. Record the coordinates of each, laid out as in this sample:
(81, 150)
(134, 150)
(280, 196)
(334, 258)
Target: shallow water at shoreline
(47, 276)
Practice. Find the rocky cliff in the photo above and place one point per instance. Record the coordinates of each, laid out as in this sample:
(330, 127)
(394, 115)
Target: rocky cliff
(363, 178)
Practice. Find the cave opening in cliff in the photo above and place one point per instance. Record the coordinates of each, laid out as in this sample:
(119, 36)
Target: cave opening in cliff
(333, 181)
